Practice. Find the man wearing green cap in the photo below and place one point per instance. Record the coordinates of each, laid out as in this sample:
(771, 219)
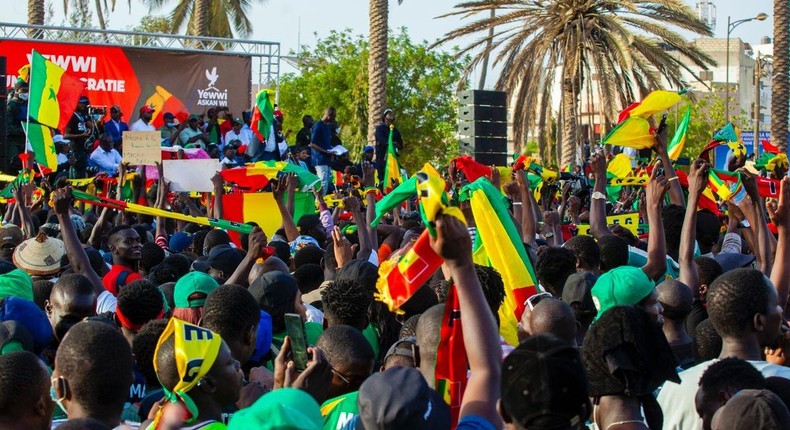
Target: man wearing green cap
(193, 133)
(627, 285)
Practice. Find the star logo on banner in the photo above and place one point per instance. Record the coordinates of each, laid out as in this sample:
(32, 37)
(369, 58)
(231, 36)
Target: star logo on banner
(52, 95)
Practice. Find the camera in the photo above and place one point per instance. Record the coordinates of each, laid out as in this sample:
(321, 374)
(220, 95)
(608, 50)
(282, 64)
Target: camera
(97, 112)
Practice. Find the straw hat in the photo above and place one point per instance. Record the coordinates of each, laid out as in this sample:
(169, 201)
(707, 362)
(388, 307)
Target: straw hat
(40, 255)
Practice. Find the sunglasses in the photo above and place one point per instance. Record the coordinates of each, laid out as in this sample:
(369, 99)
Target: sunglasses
(534, 300)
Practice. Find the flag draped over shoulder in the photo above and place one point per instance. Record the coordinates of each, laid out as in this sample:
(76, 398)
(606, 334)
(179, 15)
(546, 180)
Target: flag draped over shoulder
(262, 115)
(451, 361)
(679, 139)
(53, 93)
(392, 174)
(502, 243)
(40, 138)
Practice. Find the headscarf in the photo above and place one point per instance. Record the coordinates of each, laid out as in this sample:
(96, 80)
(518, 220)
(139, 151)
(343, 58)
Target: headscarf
(196, 349)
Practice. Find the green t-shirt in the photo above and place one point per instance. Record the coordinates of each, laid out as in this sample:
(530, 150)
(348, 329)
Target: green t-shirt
(638, 258)
(341, 412)
(312, 331)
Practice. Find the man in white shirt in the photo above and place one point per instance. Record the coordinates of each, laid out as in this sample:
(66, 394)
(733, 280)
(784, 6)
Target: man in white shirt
(144, 123)
(743, 307)
(105, 157)
(236, 133)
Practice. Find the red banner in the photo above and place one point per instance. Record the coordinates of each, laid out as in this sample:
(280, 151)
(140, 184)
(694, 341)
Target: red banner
(170, 81)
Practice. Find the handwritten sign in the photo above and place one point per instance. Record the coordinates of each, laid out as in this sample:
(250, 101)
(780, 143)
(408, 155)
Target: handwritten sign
(191, 175)
(142, 147)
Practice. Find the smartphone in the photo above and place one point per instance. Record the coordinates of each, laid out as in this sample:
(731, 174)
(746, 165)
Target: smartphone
(295, 330)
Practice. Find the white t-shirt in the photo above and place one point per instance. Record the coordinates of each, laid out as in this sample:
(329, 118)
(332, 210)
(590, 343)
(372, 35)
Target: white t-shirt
(106, 302)
(677, 400)
(139, 125)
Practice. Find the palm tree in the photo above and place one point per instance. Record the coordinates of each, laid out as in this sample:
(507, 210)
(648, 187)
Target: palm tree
(215, 18)
(780, 86)
(377, 63)
(102, 8)
(627, 43)
(35, 16)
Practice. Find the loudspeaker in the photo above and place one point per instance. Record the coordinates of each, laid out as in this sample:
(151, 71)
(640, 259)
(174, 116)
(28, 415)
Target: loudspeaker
(483, 126)
(483, 98)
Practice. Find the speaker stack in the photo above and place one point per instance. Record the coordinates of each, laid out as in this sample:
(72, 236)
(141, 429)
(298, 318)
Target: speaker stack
(3, 119)
(483, 126)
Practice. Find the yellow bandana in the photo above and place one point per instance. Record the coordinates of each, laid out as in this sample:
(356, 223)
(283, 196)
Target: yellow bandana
(196, 349)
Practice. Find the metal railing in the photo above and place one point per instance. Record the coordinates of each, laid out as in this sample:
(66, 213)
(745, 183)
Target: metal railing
(266, 54)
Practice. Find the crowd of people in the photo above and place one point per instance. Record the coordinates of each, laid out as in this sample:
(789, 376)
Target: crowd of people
(110, 319)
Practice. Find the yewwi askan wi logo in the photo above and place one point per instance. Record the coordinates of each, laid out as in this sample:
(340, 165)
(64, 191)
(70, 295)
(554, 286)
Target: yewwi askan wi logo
(212, 96)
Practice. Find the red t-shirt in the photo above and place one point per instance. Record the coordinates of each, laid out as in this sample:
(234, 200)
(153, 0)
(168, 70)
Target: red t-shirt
(111, 279)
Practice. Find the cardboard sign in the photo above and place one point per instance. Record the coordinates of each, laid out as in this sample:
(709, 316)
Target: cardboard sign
(191, 175)
(143, 148)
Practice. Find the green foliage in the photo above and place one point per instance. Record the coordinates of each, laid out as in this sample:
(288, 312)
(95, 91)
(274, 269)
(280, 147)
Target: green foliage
(149, 24)
(707, 116)
(420, 90)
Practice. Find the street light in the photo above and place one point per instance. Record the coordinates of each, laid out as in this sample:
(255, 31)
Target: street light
(731, 26)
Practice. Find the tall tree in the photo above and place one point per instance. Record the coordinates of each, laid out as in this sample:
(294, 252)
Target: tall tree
(377, 66)
(627, 43)
(102, 8)
(35, 16)
(421, 90)
(781, 77)
(215, 18)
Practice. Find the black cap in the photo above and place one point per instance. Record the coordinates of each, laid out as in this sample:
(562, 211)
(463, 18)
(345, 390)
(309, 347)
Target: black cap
(221, 257)
(306, 222)
(544, 384)
(400, 398)
(578, 289)
(730, 261)
(273, 289)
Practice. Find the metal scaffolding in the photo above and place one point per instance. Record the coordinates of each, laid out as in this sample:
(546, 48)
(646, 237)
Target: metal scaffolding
(265, 55)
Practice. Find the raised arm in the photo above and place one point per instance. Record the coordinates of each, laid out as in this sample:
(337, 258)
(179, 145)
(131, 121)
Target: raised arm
(481, 339)
(529, 219)
(77, 256)
(675, 190)
(698, 180)
(22, 194)
(368, 181)
(780, 274)
(161, 202)
(598, 226)
(351, 204)
(293, 182)
(256, 242)
(219, 190)
(288, 222)
(656, 265)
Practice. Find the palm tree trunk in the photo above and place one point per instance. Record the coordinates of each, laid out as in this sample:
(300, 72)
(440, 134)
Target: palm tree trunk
(200, 16)
(569, 122)
(377, 64)
(781, 83)
(100, 15)
(35, 16)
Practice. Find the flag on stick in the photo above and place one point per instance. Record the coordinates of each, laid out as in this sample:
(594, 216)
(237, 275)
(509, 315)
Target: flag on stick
(53, 93)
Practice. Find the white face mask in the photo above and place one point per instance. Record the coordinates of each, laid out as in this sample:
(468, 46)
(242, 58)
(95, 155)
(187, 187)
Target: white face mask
(23, 96)
(170, 124)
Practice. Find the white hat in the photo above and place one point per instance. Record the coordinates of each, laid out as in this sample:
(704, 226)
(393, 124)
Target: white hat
(58, 138)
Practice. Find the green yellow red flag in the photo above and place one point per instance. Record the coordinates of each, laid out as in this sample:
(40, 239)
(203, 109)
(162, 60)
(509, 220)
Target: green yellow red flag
(40, 138)
(53, 93)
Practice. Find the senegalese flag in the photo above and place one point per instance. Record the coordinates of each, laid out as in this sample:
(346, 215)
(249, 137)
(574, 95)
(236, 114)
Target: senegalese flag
(245, 177)
(502, 242)
(634, 132)
(307, 180)
(40, 138)
(262, 115)
(395, 198)
(24, 177)
(407, 270)
(451, 361)
(392, 174)
(679, 139)
(156, 212)
(619, 166)
(261, 209)
(655, 102)
(23, 74)
(53, 93)
(726, 185)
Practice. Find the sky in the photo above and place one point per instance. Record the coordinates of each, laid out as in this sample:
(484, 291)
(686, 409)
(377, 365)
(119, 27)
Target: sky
(292, 21)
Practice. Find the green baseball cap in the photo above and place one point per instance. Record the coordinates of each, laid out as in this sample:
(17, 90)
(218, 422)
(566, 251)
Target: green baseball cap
(286, 408)
(191, 283)
(624, 285)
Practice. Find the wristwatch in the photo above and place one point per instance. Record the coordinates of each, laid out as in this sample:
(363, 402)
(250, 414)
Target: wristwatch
(598, 195)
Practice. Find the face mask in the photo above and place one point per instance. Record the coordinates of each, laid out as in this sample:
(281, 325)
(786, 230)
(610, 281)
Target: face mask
(24, 96)
(170, 124)
(55, 398)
